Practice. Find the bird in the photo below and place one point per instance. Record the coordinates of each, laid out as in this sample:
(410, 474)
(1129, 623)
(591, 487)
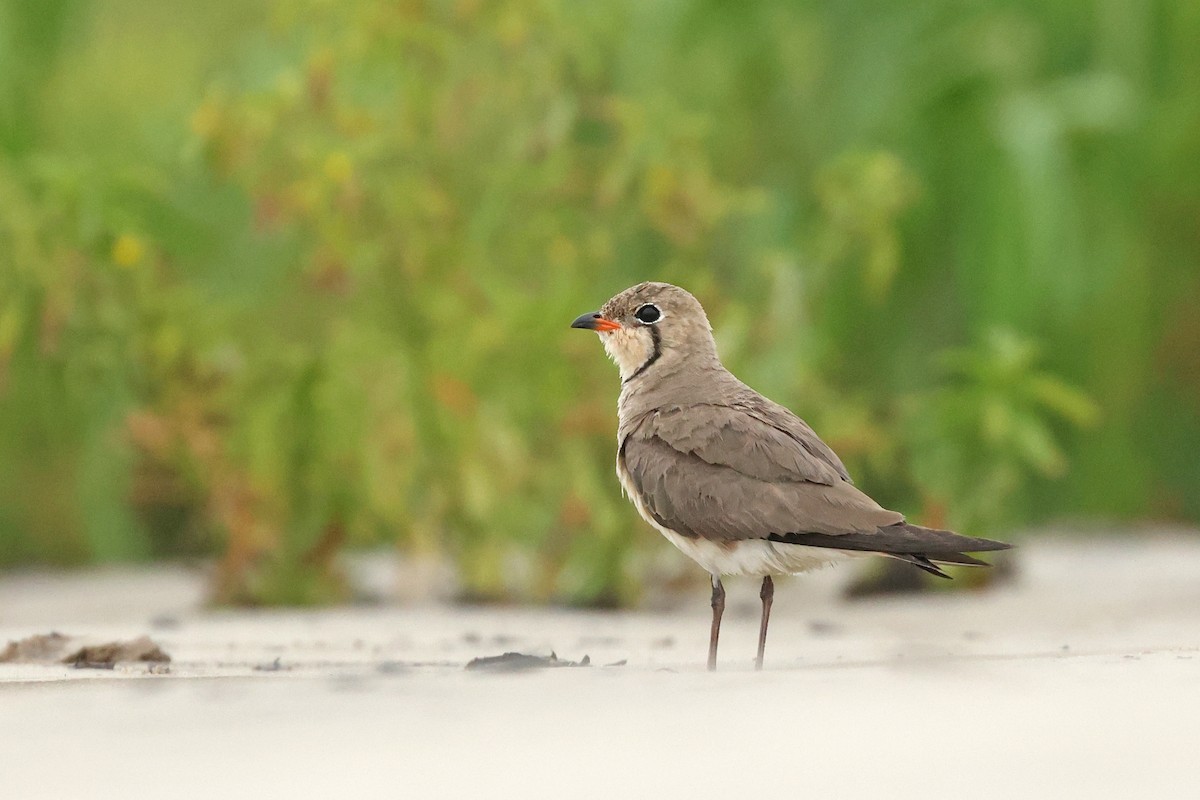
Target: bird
(735, 481)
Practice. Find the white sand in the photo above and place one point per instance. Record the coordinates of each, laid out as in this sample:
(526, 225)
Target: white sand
(1080, 680)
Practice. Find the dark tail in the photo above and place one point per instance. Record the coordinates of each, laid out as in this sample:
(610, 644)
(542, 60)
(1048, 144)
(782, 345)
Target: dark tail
(924, 548)
(933, 564)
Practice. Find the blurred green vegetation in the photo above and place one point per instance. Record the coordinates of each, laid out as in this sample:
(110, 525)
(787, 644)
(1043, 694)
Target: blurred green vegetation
(278, 278)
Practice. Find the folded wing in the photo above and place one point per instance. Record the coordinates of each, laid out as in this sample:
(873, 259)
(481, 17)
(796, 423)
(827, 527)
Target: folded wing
(733, 476)
(730, 473)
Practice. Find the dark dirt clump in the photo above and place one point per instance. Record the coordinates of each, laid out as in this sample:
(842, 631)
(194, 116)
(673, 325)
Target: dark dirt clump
(520, 662)
(55, 648)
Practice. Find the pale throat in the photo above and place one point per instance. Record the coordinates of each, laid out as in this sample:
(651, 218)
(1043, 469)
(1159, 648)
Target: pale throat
(628, 348)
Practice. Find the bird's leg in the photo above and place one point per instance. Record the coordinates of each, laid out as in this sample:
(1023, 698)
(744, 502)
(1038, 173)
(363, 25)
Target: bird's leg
(767, 594)
(718, 607)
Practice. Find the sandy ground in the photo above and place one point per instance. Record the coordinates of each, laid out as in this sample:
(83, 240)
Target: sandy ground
(1082, 679)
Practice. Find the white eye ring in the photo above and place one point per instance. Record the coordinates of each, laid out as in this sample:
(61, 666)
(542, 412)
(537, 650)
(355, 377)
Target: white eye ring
(652, 311)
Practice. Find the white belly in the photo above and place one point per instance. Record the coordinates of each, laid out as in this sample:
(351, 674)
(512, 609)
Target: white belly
(755, 556)
(746, 557)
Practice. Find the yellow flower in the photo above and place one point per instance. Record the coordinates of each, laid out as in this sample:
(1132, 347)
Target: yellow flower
(338, 167)
(206, 119)
(561, 252)
(128, 250)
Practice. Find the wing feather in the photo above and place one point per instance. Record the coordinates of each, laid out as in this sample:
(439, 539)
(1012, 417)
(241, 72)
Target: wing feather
(770, 444)
(689, 494)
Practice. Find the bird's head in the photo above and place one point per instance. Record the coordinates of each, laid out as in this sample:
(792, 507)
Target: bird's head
(651, 326)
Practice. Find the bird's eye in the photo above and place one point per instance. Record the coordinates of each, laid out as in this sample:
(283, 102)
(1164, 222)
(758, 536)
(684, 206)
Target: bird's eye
(648, 314)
